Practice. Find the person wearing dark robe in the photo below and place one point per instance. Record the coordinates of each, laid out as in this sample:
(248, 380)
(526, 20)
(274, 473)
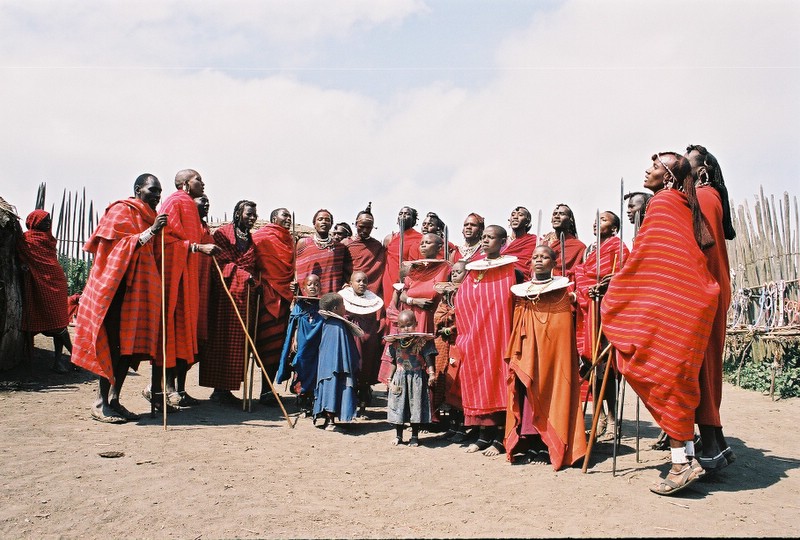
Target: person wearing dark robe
(275, 263)
(712, 196)
(119, 316)
(223, 360)
(44, 310)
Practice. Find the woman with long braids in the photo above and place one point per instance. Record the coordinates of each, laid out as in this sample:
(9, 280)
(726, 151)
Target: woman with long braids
(222, 360)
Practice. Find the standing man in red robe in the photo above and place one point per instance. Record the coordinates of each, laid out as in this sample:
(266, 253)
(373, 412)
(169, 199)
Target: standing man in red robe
(120, 311)
(367, 254)
(563, 221)
(183, 240)
(274, 247)
(321, 255)
(406, 219)
(521, 243)
(44, 287)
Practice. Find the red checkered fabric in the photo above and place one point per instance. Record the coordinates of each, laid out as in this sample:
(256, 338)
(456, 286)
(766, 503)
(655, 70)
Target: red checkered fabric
(118, 256)
(44, 283)
(658, 313)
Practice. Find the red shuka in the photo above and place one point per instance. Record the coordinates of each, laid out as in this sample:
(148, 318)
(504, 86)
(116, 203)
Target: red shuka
(483, 316)
(274, 248)
(419, 284)
(658, 314)
(391, 273)
(522, 248)
(368, 256)
(45, 285)
(574, 253)
(717, 263)
(118, 256)
(328, 263)
(181, 278)
(585, 278)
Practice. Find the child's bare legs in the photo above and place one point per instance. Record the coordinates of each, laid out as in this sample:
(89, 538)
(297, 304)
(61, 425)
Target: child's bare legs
(398, 437)
(414, 440)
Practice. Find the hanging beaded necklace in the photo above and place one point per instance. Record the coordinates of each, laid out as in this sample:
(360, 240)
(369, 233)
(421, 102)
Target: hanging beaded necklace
(322, 243)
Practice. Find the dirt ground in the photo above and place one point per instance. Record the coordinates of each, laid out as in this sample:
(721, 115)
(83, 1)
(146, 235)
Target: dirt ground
(217, 472)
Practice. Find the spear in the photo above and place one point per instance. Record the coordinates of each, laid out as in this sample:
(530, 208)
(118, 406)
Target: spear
(294, 258)
(402, 223)
(563, 243)
(539, 228)
(60, 221)
(446, 244)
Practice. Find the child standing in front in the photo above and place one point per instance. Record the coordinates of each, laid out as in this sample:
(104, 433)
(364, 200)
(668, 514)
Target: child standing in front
(413, 370)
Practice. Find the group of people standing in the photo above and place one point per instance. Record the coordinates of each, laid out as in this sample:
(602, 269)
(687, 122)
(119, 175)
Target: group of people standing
(493, 337)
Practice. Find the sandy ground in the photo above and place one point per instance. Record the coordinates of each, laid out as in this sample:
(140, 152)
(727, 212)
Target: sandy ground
(219, 472)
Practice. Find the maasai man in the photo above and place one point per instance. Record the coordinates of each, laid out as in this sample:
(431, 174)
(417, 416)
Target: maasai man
(419, 293)
(44, 287)
(521, 243)
(275, 254)
(406, 219)
(183, 238)
(341, 231)
(301, 346)
(712, 196)
(434, 224)
(483, 314)
(563, 221)
(367, 254)
(335, 395)
(590, 288)
(120, 310)
(319, 254)
(222, 363)
(364, 308)
(204, 265)
(544, 415)
(637, 202)
(472, 231)
(659, 311)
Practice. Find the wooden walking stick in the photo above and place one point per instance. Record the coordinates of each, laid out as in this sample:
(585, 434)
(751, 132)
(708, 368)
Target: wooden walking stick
(246, 351)
(250, 358)
(595, 418)
(163, 340)
(252, 344)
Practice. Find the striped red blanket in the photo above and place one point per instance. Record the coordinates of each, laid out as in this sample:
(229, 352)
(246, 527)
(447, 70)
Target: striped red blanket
(522, 248)
(391, 272)
(118, 257)
(368, 256)
(658, 314)
(327, 263)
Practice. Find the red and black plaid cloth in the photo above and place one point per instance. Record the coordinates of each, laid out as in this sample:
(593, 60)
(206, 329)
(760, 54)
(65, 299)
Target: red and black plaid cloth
(658, 314)
(118, 256)
(45, 285)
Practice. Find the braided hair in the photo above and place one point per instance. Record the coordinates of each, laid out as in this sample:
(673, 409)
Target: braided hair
(713, 177)
(571, 228)
(239, 208)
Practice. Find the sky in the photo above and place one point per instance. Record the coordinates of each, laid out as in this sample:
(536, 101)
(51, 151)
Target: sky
(452, 106)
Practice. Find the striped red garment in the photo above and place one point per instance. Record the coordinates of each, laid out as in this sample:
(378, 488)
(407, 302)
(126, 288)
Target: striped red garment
(717, 263)
(658, 313)
(419, 284)
(327, 263)
(391, 272)
(275, 265)
(181, 269)
(368, 256)
(204, 268)
(574, 253)
(585, 278)
(483, 315)
(522, 248)
(44, 282)
(118, 256)
(222, 358)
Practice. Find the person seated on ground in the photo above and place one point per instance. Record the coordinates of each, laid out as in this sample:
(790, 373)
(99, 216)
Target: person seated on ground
(335, 396)
(543, 419)
(419, 293)
(44, 310)
(363, 309)
(483, 311)
(124, 279)
(413, 359)
(301, 347)
(637, 204)
(446, 394)
(341, 231)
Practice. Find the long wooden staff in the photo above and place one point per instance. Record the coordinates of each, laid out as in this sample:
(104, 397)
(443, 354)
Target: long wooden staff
(246, 345)
(252, 344)
(595, 418)
(163, 338)
(250, 358)
(596, 304)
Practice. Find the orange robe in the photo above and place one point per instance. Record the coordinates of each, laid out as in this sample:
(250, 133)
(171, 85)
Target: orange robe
(543, 375)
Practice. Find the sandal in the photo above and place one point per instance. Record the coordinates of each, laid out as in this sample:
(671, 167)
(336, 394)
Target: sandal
(729, 455)
(683, 478)
(123, 412)
(413, 442)
(105, 418)
(478, 446)
(494, 449)
(542, 457)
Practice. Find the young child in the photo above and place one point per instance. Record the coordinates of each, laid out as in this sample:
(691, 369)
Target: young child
(413, 372)
(335, 395)
(363, 308)
(301, 346)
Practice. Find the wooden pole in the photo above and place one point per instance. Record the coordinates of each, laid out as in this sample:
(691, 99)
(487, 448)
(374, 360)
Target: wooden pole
(163, 337)
(595, 418)
(252, 344)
